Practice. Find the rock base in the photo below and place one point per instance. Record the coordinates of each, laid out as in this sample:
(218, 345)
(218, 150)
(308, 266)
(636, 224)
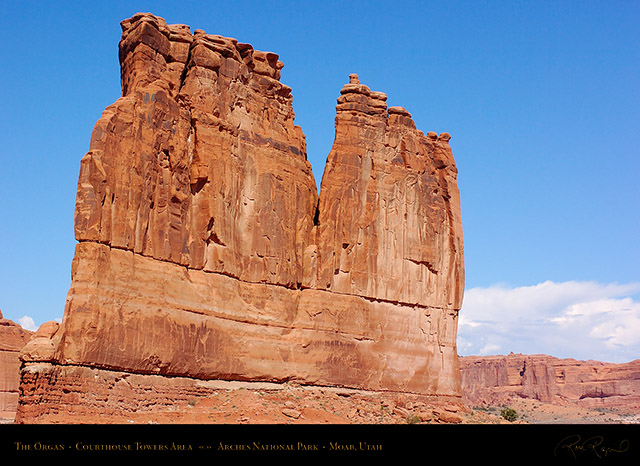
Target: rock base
(82, 395)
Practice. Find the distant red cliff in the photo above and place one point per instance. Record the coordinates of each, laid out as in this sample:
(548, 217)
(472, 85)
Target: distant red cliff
(493, 380)
(12, 339)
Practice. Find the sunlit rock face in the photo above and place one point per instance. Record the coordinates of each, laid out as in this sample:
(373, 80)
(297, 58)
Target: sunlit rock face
(205, 252)
(12, 339)
(495, 380)
(389, 213)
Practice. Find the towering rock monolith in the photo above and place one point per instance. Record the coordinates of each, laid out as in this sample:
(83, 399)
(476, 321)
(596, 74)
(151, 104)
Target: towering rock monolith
(389, 213)
(205, 253)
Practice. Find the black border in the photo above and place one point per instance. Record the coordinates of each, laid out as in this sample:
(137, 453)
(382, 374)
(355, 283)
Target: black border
(567, 444)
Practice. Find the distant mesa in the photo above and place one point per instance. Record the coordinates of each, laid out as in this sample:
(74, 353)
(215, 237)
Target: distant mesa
(499, 380)
(12, 339)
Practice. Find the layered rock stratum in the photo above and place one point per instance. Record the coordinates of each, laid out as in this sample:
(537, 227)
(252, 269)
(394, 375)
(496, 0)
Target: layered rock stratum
(12, 339)
(498, 380)
(205, 252)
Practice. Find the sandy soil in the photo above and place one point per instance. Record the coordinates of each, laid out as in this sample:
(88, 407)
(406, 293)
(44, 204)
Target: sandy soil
(536, 412)
(293, 404)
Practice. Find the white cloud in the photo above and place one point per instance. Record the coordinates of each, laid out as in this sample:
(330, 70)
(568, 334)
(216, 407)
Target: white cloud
(27, 323)
(489, 348)
(582, 320)
(622, 325)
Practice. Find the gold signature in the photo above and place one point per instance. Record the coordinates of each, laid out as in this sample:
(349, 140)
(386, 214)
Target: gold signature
(594, 445)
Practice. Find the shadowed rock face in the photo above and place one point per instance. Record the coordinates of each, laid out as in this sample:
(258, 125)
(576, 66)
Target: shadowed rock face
(497, 380)
(204, 250)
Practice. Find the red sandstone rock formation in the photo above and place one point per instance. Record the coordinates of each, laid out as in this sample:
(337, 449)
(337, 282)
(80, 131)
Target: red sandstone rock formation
(204, 251)
(12, 338)
(389, 217)
(496, 380)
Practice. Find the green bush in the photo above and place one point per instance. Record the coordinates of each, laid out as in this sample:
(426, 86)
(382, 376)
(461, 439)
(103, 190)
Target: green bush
(509, 414)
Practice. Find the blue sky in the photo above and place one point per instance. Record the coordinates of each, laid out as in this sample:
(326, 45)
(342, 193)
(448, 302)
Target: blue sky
(542, 100)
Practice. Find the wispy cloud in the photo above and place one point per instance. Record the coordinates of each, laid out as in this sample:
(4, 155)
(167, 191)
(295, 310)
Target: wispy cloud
(27, 323)
(582, 320)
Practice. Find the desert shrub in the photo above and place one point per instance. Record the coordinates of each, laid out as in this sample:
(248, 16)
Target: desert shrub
(509, 414)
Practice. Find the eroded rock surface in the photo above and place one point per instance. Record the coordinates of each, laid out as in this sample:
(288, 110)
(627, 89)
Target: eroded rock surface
(495, 380)
(205, 252)
(389, 212)
(12, 338)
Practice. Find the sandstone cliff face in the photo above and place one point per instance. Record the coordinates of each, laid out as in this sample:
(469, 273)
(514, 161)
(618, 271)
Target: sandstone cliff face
(499, 379)
(389, 211)
(12, 338)
(204, 250)
(199, 163)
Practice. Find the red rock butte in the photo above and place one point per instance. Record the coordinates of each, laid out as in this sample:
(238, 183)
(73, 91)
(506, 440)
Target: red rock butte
(12, 339)
(205, 252)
